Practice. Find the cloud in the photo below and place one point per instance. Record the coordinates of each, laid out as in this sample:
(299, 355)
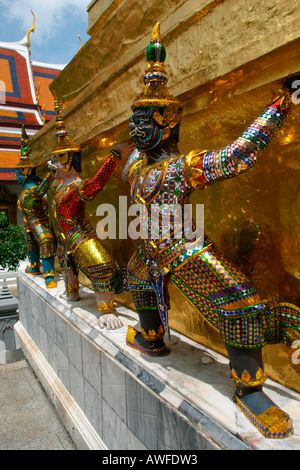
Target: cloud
(51, 15)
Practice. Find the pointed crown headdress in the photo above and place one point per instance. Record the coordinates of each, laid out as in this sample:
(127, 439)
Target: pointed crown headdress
(25, 164)
(155, 92)
(63, 143)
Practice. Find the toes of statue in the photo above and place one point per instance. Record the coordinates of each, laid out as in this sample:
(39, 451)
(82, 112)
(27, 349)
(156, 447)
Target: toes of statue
(269, 419)
(110, 321)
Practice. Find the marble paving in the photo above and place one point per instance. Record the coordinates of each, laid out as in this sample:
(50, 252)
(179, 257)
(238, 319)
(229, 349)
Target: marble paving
(28, 420)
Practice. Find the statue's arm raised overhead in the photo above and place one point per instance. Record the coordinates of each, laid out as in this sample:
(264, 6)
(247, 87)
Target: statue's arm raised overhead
(41, 189)
(204, 167)
(89, 188)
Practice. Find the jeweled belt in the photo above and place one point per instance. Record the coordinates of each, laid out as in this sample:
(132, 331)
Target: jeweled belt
(77, 235)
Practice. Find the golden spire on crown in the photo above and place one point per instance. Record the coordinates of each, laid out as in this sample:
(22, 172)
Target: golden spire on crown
(64, 143)
(155, 92)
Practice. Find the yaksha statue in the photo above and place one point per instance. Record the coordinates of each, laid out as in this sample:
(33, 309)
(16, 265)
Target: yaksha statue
(79, 246)
(159, 175)
(41, 242)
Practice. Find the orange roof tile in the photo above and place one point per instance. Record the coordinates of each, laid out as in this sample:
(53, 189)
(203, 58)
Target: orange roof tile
(20, 82)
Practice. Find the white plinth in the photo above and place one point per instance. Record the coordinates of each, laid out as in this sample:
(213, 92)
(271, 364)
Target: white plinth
(110, 396)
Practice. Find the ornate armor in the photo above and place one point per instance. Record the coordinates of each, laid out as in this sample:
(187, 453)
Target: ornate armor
(77, 234)
(80, 248)
(221, 293)
(160, 177)
(32, 203)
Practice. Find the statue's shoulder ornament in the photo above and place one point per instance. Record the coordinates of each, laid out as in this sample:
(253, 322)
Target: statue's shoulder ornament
(193, 169)
(133, 164)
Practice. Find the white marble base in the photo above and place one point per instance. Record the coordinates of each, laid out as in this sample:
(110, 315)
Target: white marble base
(8, 356)
(129, 400)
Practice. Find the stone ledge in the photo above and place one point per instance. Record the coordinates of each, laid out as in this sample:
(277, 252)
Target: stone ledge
(79, 428)
(136, 402)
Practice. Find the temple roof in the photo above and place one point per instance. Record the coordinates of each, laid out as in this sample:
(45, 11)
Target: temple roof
(25, 98)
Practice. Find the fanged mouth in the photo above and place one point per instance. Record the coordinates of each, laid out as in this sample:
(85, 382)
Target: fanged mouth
(136, 133)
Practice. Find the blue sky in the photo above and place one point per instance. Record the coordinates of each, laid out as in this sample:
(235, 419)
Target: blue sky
(57, 24)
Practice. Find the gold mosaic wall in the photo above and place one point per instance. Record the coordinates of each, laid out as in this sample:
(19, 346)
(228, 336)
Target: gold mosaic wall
(225, 60)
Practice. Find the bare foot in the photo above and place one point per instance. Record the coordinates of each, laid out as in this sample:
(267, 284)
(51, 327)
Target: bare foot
(110, 321)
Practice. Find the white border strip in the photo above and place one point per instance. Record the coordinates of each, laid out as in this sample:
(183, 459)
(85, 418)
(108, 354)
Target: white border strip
(44, 65)
(16, 130)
